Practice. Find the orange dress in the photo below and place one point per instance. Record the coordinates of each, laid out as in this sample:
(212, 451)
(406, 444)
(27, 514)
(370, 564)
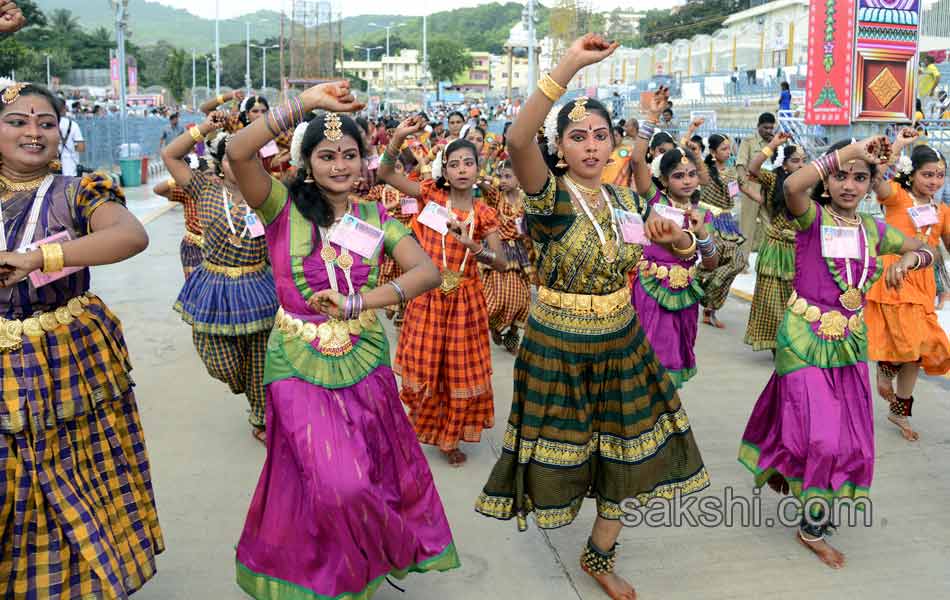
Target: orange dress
(902, 324)
(443, 354)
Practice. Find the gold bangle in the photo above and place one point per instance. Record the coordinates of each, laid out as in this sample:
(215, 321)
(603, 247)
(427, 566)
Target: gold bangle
(550, 88)
(171, 183)
(53, 259)
(195, 133)
(220, 99)
(689, 250)
(767, 151)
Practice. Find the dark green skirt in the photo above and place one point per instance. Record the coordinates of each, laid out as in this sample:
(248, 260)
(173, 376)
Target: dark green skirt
(594, 415)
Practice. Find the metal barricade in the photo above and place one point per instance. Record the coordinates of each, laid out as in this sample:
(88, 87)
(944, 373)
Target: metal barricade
(103, 136)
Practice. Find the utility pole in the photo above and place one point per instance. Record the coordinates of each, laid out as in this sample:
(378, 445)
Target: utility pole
(281, 44)
(121, 22)
(532, 74)
(247, 59)
(425, 59)
(49, 80)
(217, 46)
(208, 73)
(194, 82)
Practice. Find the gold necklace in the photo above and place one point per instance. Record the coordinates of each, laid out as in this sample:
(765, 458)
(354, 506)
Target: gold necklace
(853, 222)
(21, 186)
(587, 191)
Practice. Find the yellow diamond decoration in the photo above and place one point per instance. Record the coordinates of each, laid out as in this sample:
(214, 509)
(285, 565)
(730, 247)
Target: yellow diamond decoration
(885, 87)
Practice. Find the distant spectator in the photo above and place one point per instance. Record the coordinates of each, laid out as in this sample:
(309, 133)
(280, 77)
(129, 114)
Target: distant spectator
(171, 131)
(785, 98)
(929, 77)
(735, 79)
(630, 130)
(667, 119)
(71, 143)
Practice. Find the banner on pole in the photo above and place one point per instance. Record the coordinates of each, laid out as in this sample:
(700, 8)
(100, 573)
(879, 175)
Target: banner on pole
(888, 33)
(828, 91)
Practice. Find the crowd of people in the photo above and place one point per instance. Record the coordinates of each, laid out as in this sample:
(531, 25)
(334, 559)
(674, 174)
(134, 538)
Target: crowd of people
(584, 248)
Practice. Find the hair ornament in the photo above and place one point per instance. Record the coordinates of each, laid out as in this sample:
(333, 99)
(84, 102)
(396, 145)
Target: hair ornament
(332, 127)
(579, 112)
(780, 156)
(12, 92)
(550, 129)
(655, 166)
(904, 165)
(436, 164)
(296, 146)
(683, 159)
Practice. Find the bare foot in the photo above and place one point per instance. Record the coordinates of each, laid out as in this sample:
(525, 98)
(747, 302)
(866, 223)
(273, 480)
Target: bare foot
(710, 318)
(390, 313)
(904, 423)
(497, 338)
(259, 434)
(778, 484)
(824, 551)
(885, 385)
(614, 585)
(455, 457)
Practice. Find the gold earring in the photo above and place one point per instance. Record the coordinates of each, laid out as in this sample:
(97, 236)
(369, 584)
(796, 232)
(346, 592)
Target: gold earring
(55, 165)
(560, 163)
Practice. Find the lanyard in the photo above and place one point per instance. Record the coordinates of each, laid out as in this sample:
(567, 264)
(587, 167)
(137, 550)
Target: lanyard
(226, 200)
(867, 259)
(471, 231)
(27, 238)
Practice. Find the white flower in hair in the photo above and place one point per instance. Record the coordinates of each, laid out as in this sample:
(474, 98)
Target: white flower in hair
(655, 166)
(904, 165)
(193, 161)
(245, 102)
(437, 165)
(296, 145)
(550, 129)
(779, 156)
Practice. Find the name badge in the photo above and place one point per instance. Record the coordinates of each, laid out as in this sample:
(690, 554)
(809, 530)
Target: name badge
(923, 215)
(269, 149)
(519, 225)
(631, 227)
(358, 236)
(254, 225)
(677, 215)
(733, 189)
(435, 217)
(409, 205)
(840, 242)
(39, 278)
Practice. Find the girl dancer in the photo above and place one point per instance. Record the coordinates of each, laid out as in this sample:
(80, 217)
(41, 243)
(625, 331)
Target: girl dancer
(508, 292)
(229, 298)
(666, 293)
(812, 430)
(904, 335)
(588, 389)
(345, 497)
(192, 241)
(443, 354)
(775, 263)
(718, 197)
(79, 517)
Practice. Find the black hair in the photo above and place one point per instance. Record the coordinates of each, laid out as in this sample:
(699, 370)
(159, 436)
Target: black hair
(33, 89)
(217, 150)
(455, 146)
(766, 118)
(505, 164)
(920, 157)
(307, 196)
(363, 123)
(784, 85)
(563, 120)
(249, 102)
(174, 115)
(618, 129)
(715, 140)
(818, 191)
(698, 140)
(776, 204)
(504, 132)
(455, 113)
(668, 110)
(658, 140)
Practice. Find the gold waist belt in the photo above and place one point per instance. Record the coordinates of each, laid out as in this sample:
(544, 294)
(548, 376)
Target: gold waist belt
(234, 272)
(585, 303)
(194, 238)
(13, 330)
(678, 274)
(832, 323)
(334, 334)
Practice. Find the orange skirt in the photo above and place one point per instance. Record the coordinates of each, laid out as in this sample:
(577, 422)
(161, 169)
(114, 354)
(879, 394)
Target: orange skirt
(902, 333)
(444, 360)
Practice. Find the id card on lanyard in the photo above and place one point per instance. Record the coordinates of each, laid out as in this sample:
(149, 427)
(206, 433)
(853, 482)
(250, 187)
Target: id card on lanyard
(840, 242)
(631, 227)
(33, 219)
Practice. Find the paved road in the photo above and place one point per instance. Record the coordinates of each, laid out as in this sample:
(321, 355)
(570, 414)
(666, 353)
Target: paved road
(205, 466)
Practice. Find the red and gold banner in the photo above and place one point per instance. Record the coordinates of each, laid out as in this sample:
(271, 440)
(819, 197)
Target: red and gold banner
(830, 53)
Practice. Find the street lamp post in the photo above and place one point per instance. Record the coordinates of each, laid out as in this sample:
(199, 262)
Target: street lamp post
(388, 29)
(368, 59)
(217, 46)
(121, 22)
(247, 59)
(264, 50)
(208, 73)
(49, 80)
(194, 82)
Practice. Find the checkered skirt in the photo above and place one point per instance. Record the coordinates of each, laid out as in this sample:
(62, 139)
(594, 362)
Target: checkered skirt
(77, 513)
(508, 298)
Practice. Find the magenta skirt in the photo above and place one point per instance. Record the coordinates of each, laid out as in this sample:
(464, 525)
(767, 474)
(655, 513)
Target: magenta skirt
(345, 498)
(815, 428)
(672, 333)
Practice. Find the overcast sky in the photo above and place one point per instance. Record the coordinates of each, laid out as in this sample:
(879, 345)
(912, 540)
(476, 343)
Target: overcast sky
(234, 8)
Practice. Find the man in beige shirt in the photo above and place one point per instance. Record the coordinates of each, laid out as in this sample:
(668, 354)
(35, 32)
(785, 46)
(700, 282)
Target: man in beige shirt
(753, 216)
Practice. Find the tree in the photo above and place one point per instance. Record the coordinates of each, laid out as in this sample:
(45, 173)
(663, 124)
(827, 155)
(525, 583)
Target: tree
(175, 74)
(34, 16)
(447, 58)
(64, 24)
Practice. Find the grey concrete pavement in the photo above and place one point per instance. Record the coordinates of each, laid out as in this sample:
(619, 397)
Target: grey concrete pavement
(205, 466)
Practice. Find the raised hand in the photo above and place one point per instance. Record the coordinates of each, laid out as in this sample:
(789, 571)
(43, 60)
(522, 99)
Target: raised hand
(216, 120)
(589, 50)
(11, 17)
(873, 150)
(410, 126)
(658, 103)
(696, 124)
(334, 96)
(662, 231)
(779, 138)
